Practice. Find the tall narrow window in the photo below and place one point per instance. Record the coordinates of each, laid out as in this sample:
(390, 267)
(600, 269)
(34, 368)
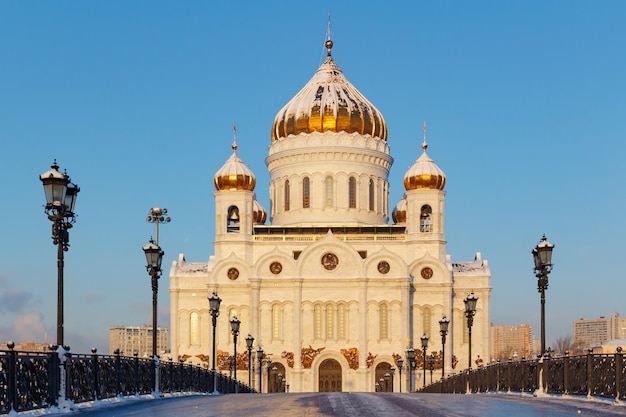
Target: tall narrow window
(317, 321)
(425, 218)
(341, 321)
(286, 195)
(352, 192)
(426, 321)
(306, 197)
(329, 191)
(383, 317)
(276, 322)
(194, 329)
(330, 322)
(371, 196)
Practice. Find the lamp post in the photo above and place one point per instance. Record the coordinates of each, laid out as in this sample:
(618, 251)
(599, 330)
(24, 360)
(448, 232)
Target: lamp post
(214, 310)
(470, 312)
(400, 363)
(387, 377)
(259, 355)
(542, 256)
(234, 328)
(60, 200)
(431, 366)
(154, 256)
(443, 330)
(275, 371)
(156, 216)
(393, 377)
(424, 339)
(410, 353)
(249, 342)
(269, 380)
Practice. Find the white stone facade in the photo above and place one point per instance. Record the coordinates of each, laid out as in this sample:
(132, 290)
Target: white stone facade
(332, 291)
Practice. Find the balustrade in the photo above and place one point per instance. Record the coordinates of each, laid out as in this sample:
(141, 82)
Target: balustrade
(33, 380)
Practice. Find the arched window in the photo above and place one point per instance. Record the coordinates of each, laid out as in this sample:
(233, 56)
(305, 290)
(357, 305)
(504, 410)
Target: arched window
(277, 322)
(329, 191)
(383, 319)
(371, 195)
(232, 222)
(286, 195)
(426, 321)
(317, 321)
(306, 196)
(352, 192)
(425, 218)
(341, 321)
(330, 322)
(194, 329)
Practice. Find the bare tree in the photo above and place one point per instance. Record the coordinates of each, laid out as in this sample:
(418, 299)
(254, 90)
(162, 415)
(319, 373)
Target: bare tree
(563, 344)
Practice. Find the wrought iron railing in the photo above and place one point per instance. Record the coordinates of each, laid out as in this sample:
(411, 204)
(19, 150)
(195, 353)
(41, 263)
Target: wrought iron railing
(32, 380)
(591, 375)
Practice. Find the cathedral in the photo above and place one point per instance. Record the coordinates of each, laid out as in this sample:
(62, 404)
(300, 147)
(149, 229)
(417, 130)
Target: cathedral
(334, 287)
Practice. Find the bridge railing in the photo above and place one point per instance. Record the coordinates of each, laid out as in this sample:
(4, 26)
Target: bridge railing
(592, 375)
(57, 378)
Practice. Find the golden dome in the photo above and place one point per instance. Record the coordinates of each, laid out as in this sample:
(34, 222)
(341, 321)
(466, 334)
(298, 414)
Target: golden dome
(259, 215)
(424, 174)
(329, 103)
(234, 175)
(399, 212)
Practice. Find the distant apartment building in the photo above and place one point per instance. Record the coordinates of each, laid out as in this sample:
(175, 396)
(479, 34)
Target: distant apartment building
(511, 342)
(28, 346)
(131, 339)
(589, 332)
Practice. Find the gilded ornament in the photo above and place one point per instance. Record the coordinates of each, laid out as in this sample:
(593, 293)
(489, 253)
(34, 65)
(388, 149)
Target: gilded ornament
(427, 273)
(383, 267)
(276, 268)
(233, 274)
(330, 261)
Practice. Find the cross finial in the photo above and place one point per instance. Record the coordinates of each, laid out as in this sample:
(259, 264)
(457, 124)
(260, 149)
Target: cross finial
(424, 145)
(234, 146)
(329, 43)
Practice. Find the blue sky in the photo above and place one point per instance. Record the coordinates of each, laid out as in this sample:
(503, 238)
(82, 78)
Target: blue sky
(524, 101)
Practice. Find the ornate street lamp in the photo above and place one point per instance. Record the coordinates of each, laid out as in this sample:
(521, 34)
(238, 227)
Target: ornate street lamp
(431, 366)
(156, 216)
(60, 200)
(259, 355)
(410, 354)
(387, 377)
(393, 377)
(542, 256)
(234, 328)
(400, 363)
(154, 256)
(443, 330)
(214, 310)
(470, 312)
(269, 377)
(424, 339)
(275, 372)
(249, 342)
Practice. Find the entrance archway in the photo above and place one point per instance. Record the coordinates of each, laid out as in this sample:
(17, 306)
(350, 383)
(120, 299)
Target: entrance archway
(384, 377)
(330, 376)
(275, 378)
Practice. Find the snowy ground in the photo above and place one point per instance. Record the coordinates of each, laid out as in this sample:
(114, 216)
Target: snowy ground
(348, 405)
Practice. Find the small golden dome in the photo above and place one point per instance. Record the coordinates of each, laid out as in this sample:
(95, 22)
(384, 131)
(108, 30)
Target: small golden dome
(329, 103)
(234, 175)
(399, 212)
(259, 215)
(424, 174)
